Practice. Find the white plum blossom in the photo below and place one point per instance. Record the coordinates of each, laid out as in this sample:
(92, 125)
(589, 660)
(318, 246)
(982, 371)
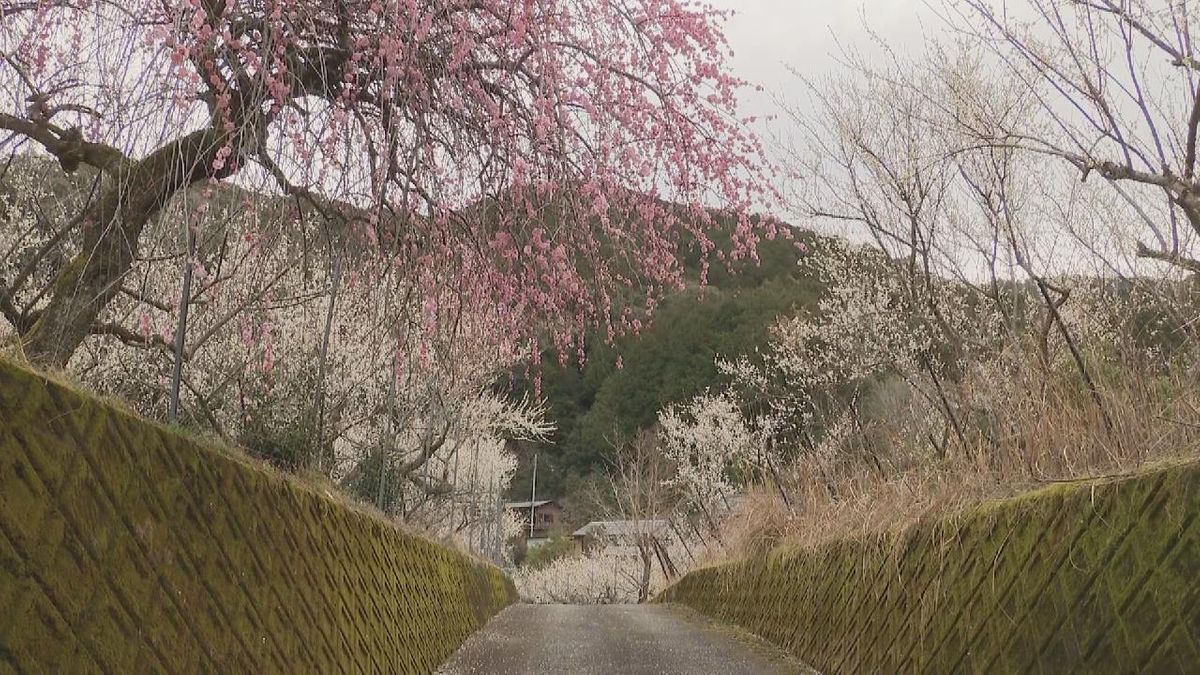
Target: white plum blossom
(707, 439)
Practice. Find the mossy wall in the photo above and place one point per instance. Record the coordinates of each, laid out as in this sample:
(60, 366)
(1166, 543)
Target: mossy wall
(1099, 577)
(127, 548)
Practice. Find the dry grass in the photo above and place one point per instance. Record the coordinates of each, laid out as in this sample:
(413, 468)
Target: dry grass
(1058, 436)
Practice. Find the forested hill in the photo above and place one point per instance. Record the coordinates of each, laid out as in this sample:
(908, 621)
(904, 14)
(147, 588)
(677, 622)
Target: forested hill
(599, 405)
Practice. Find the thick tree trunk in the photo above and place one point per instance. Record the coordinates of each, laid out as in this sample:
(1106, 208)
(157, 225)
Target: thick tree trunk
(93, 278)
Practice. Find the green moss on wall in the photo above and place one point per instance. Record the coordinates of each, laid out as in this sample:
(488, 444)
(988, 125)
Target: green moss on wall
(1089, 577)
(125, 547)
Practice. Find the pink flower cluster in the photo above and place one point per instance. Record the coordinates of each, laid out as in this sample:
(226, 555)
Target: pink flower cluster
(539, 157)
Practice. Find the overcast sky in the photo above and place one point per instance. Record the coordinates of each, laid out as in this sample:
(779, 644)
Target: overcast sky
(767, 35)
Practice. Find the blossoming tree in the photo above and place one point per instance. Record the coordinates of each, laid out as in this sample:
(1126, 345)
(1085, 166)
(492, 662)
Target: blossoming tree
(397, 406)
(522, 152)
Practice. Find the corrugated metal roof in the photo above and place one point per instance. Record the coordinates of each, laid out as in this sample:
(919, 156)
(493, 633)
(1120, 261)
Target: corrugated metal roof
(526, 505)
(622, 528)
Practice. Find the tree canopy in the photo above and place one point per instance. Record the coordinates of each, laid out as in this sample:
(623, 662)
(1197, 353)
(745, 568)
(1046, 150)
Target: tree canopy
(520, 153)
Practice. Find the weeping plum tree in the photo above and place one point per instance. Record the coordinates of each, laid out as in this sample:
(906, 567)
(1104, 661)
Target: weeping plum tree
(529, 154)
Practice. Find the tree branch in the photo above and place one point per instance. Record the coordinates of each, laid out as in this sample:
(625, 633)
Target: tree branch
(131, 338)
(10, 310)
(67, 145)
(1183, 262)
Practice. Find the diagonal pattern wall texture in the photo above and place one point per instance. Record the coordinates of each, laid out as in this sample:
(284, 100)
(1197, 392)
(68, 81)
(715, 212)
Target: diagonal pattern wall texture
(1099, 577)
(127, 548)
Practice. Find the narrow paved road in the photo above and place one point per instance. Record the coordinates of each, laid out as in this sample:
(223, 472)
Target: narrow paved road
(610, 639)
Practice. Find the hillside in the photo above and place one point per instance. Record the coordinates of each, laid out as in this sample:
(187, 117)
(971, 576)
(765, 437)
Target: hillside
(594, 406)
(673, 359)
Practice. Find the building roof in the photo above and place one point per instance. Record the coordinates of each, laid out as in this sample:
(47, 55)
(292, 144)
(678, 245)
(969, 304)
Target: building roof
(622, 528)
(529, 505)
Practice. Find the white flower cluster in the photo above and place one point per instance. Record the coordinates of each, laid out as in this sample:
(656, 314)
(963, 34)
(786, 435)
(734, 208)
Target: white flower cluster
(708, 440)
(605, 577)
(609, 575)
(297, 348)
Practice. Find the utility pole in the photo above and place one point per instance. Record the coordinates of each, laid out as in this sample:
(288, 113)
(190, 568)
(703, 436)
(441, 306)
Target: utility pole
(533, 495)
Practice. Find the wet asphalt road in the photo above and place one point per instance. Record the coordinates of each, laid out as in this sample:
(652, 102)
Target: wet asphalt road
(609, 639)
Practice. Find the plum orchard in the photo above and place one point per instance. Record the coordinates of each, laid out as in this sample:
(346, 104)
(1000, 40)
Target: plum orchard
(528, 155)
(322, 229)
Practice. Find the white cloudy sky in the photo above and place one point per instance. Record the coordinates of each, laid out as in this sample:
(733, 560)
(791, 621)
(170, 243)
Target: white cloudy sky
(767, 34)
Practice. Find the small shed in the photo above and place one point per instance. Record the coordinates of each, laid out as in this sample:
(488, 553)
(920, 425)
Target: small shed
(603, 533)
(547, 515)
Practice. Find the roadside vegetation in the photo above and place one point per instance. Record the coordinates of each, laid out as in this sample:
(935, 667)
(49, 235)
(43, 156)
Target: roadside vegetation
(1023, 309)
(1013, 302)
